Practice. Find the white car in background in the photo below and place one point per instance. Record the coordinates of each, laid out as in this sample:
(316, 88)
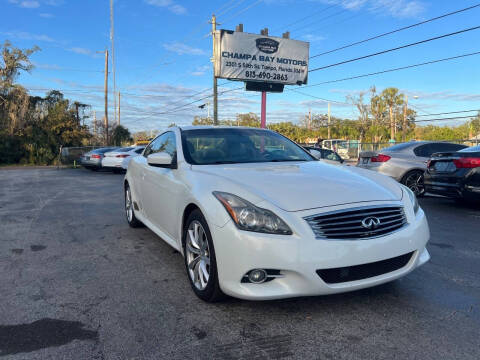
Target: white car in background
(258, 217)
(113, 160)
(126, 160)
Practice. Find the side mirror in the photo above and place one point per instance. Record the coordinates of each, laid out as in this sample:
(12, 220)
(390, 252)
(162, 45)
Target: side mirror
(160, 159)
(315, 153)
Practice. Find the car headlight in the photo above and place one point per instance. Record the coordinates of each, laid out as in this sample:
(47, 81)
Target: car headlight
(413, 199)
(250, 217)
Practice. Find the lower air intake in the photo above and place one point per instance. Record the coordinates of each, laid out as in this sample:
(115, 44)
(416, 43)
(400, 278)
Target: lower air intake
(365, 271)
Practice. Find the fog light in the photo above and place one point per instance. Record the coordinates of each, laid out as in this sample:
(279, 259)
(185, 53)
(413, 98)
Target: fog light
(257, 276)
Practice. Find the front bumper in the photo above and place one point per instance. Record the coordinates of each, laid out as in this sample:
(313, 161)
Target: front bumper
(112, 162)
(300, 255)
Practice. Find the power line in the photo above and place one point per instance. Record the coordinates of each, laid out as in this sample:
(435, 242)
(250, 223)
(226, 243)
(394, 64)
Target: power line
(242, 11)
(450, 112)
(392, 70)
(440, 119)
(317, 97)
(306, 17)
(319, 20)
(226, 8)
(171, 111)
(396, 48)
(418, 108)
(395, 31)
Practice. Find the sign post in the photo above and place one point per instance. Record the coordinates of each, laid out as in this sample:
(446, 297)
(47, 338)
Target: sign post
(265, 63)
(263, 117)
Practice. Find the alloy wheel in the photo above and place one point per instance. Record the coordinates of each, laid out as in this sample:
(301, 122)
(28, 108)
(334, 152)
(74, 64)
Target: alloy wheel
(128, 204)
(414, 182)
(197, 255)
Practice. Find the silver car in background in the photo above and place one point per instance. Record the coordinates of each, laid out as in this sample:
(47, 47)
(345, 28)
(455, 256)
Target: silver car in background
(405, 162)
(93, 159)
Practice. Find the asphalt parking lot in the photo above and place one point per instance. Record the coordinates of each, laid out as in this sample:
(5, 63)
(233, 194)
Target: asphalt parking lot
(77, 283)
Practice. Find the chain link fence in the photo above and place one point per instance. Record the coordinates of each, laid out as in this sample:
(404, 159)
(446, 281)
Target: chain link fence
(71, 156)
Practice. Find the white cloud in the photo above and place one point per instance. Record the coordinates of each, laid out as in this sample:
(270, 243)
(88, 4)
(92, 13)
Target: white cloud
(29, 4)
(54, 2)
(23, 35)
(169, 4)
(82, 51)
(201, 70)
(395, 8)
(313, 38)
(182, 49)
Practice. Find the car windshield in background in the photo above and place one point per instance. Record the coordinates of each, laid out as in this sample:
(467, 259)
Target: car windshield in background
(229, 146)
(471, 149)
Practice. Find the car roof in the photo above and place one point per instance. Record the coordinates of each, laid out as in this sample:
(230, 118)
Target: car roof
(214, 127)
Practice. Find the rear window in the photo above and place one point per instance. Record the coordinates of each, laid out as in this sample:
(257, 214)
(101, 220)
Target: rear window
(399, 147)
(125, 149)
(103, 150)
(471, 149)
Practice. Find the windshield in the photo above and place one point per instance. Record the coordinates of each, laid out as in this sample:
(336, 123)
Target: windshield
(230, 146)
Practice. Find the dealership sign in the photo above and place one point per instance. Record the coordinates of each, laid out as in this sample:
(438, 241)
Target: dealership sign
(250, 57)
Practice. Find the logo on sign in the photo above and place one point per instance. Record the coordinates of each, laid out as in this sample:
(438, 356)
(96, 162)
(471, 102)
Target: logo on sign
(268, 46)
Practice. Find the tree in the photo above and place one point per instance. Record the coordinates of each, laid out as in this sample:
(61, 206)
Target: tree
(392, 99)
(120, 135)
(14, 98)
(363, 109)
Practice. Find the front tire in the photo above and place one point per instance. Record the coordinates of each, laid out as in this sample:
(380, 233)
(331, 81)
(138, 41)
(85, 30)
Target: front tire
(414, 181)
(129, 210)
(199, 256)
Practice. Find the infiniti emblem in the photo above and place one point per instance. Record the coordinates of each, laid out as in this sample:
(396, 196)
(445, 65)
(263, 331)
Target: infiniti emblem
(370, 222)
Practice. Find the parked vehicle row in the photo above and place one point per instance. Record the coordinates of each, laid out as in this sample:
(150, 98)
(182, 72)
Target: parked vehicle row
(443, 168)
(256, 216)
(110, 158)
(455, 174)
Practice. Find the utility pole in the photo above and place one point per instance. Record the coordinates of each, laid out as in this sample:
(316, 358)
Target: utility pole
(405, 109)
(113, 62)
(215, 91)
(118, 108)
(328, 122)
(94, 123)
(309, 119)
(106, 97)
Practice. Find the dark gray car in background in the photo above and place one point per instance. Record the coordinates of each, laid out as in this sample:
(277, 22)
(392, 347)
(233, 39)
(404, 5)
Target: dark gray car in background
(93, 159)
(405, 162)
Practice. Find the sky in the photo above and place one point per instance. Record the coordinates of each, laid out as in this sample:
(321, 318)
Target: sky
(163, 50)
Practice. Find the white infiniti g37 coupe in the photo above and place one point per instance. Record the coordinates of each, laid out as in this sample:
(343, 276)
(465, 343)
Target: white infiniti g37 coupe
(257, 217)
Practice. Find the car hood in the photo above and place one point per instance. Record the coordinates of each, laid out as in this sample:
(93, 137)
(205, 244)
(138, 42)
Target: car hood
(306, 185)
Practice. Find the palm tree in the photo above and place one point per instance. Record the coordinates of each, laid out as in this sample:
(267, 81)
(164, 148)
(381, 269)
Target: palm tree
(392, 99)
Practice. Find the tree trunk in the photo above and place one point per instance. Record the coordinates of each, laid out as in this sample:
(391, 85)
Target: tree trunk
(392, 123)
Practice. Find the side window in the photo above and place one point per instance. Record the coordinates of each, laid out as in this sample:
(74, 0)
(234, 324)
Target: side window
(423, 150)
(148, 149)
(164, 143)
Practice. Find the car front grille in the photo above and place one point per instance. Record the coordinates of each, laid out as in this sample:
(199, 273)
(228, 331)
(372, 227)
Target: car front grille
(357, 223)
(365, 271)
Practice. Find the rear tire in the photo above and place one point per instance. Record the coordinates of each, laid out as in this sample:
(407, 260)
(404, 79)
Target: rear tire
(199, 256)
(414, 181)
(129, 209)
